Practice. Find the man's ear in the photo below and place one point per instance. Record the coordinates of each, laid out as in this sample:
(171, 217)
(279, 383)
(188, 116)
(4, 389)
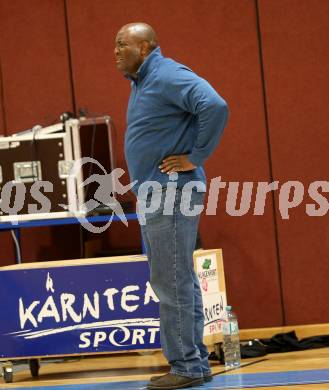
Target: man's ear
(145, 48)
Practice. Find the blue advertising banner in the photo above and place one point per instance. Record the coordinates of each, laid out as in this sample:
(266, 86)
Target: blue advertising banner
(65, 310)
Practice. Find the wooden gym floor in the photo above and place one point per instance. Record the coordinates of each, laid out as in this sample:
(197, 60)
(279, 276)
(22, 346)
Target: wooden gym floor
(303, 370)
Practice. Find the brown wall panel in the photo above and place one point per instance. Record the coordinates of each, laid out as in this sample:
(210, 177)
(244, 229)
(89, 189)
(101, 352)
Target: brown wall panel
(34, 62)
(41, 244)
(2, 107)
(7, 254)
(53, 243)
(36, 89)
(218, 40)
(296, 57)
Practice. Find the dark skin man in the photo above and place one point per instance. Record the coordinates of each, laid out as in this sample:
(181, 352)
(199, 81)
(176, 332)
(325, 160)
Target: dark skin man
(133, 44)
(174, 117)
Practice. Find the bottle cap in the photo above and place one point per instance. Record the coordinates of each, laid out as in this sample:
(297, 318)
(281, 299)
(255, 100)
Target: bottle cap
(228, 308)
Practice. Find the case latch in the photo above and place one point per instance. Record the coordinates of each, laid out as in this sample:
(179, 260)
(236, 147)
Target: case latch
(64, 168)
(27, 171)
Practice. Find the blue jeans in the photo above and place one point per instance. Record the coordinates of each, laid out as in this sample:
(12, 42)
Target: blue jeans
(170, 241)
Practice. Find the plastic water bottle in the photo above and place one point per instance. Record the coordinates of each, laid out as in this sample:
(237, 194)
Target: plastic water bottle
(231, 340)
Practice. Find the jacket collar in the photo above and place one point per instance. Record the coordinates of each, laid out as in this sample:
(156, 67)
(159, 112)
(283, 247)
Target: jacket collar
(149, 63)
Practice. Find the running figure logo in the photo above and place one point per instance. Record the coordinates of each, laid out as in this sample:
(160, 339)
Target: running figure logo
(108, 185)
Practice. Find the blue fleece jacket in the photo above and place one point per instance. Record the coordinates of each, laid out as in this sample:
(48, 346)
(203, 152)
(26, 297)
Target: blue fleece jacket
(171, 111)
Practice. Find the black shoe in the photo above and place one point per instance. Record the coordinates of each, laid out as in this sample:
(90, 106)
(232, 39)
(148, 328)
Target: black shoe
(172, 381)
(206, 378)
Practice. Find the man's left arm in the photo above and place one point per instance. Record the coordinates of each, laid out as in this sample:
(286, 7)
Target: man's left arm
(195, 95)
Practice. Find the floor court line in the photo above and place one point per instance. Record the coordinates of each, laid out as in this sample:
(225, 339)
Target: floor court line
(233, 381)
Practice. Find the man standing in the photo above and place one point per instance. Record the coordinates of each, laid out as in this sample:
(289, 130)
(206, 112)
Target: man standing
(174, 122)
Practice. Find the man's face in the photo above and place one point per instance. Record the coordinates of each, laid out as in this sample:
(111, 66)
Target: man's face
(127, 52)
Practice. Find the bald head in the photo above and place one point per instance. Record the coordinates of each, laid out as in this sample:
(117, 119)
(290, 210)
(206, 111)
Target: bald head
(133, 44)
(141, 32)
